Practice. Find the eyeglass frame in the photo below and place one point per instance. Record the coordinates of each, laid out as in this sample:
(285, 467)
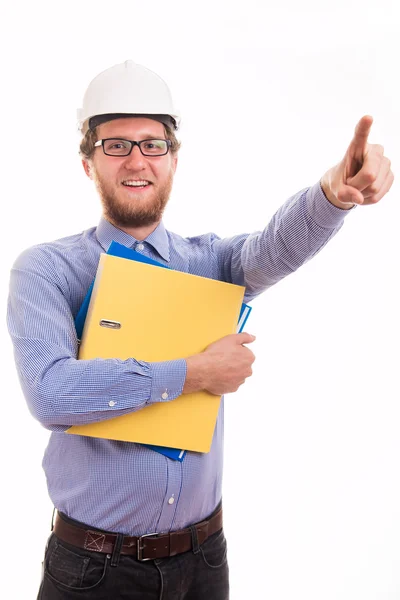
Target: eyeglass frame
(133, 144)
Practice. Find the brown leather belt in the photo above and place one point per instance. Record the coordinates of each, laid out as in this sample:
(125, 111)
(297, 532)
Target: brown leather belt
(145, 547)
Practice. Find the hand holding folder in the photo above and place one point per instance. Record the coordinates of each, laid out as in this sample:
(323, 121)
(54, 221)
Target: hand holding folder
(172, 304)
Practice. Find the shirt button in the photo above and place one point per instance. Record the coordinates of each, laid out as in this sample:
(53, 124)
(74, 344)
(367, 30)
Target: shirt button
(171, 500)
(111, 403)
(139, 247)
(164, 396)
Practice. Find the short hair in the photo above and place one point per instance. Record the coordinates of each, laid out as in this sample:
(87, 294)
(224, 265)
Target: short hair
(87, 145)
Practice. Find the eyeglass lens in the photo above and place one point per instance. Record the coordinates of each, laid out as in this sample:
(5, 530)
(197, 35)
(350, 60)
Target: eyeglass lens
(116, 147)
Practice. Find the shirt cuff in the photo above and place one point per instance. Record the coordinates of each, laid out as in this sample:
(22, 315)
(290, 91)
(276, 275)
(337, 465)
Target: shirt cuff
(322, 212)
(168, 378)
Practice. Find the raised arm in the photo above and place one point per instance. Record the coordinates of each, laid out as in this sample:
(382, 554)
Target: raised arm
(308, 220)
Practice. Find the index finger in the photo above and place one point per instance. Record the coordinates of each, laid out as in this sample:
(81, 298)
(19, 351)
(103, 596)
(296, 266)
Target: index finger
(244, 338)
(361, 133)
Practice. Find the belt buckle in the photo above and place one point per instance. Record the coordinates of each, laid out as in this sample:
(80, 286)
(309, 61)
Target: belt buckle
(140, 547)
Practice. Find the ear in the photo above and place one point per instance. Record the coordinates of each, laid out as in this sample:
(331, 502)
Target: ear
(86, 167)
(175, 163)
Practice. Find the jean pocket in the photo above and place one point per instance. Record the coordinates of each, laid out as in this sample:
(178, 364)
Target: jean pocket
(214, 551)
(71, 569)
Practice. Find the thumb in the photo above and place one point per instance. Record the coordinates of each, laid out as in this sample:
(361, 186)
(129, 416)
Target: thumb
(349, 194)
(245, 338)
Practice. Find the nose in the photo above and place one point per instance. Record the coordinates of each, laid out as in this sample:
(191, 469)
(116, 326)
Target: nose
(136, 160)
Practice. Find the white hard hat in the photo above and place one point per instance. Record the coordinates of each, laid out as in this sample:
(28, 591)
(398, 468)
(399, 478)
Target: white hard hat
(127, 89)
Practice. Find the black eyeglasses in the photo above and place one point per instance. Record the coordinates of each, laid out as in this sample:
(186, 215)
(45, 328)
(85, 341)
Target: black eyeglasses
(120, 147)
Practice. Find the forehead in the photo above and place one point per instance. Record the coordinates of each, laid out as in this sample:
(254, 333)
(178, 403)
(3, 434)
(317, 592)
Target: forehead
(131, 128)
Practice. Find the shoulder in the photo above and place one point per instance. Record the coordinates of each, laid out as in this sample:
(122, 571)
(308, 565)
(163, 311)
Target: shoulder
(204, 240)
(46, 258)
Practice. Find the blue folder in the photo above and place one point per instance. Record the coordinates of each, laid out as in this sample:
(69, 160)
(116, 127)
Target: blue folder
(121, 251)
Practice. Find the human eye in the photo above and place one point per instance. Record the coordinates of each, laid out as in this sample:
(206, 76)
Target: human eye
(154, 146)
(114, 146)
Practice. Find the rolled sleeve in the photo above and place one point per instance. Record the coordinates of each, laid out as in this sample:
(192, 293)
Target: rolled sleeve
(167, 380)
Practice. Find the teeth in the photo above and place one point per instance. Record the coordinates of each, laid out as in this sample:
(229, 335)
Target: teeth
(135, 183)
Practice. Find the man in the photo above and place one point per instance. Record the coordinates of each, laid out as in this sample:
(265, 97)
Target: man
(130, 522)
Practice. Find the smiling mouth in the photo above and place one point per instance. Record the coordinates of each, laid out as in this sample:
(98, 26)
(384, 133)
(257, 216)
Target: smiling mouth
(136, 183)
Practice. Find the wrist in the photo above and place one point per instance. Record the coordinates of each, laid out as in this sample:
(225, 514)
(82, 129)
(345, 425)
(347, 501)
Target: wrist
(330, 196)
(195, 374)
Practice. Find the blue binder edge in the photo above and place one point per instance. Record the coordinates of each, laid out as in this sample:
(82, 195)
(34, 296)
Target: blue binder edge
(121, 251)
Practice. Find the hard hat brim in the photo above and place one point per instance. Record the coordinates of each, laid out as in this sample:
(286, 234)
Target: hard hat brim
(97, 120)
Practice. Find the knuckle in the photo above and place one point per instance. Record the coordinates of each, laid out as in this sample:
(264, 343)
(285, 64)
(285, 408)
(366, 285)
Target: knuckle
(373, 189)
(369, 177)
(379, 148)
(238, 384)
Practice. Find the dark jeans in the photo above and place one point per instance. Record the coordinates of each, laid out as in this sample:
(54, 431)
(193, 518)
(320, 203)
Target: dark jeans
(71, 573)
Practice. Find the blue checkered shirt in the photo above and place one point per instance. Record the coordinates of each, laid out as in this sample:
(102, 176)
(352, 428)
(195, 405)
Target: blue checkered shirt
(120, 486)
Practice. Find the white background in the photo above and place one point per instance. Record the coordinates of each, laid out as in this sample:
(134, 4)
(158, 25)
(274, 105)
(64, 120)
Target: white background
(312, 451)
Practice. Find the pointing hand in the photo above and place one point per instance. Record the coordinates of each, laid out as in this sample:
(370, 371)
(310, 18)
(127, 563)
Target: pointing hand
(363, 176)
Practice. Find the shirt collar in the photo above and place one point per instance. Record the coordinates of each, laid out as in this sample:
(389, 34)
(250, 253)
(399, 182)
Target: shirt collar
(107, 233)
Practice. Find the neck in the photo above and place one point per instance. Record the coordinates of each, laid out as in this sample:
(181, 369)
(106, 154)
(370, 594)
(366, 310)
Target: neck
(139, 233)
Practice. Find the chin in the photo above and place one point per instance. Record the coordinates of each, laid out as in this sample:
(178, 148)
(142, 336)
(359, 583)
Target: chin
(124, 218)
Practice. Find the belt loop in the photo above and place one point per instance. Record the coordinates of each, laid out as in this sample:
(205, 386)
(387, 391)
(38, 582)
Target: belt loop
(195, 539)
(117, 550)
(52, 519)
